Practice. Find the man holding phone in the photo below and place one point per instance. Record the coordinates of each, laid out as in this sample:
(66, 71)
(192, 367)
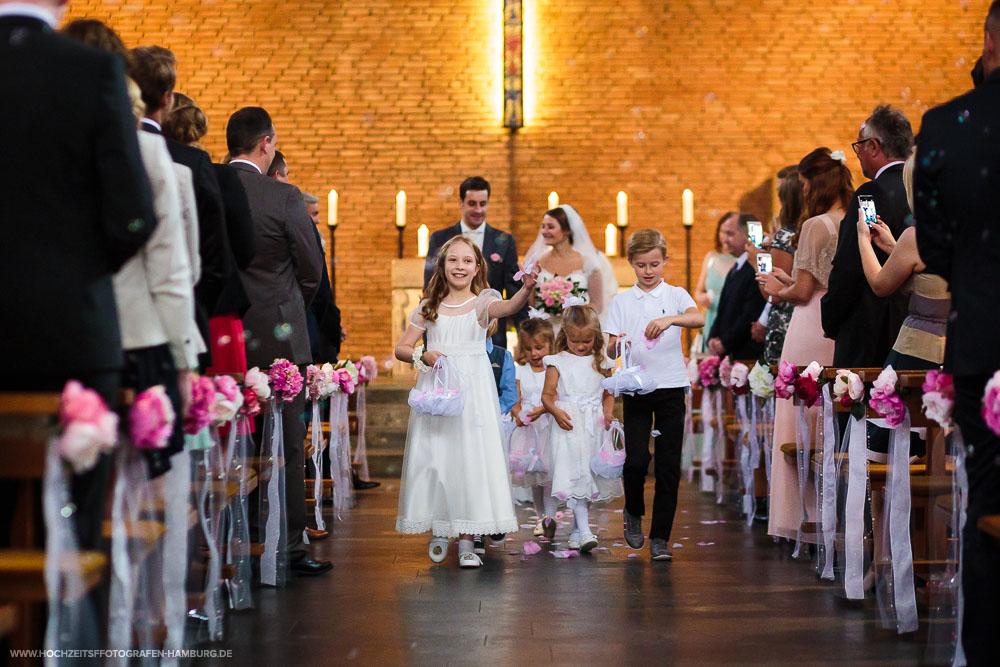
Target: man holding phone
(864, 326)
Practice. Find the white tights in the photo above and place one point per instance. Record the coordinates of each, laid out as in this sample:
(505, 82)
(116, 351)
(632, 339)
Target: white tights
(581, 512)
(545, 504)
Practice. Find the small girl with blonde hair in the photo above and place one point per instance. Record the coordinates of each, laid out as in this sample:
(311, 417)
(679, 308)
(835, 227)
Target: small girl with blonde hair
(455, 481)
(535, 341)
(582, 411)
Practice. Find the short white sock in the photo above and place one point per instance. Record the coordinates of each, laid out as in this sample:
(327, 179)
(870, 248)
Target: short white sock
(465, 546)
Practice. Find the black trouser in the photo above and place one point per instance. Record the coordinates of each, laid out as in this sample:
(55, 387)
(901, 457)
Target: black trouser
(668, 407)
(980, 553)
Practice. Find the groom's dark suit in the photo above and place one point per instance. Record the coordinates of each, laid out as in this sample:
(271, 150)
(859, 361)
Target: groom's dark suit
(740, 304)
(864, 326)
(500, 253)
(957, 202)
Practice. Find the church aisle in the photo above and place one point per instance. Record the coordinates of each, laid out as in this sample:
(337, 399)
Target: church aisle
(737, 599)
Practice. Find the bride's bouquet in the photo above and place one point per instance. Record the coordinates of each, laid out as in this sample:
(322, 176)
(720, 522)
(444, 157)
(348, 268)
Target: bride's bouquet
(550, 295)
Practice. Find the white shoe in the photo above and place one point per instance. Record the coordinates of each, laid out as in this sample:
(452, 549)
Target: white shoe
(469, 560)
(538, 531)
(574, 541)
(437, 549)
(588, 543)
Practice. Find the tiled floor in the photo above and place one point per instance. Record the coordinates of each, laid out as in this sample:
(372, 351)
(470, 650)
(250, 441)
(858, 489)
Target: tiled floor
(738, 599)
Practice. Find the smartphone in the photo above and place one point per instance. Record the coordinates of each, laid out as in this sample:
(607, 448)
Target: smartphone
(755, 231)
(868, 207)
(764, 262)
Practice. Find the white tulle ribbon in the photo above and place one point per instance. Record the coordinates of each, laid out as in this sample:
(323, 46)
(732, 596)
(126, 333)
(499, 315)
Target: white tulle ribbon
(959, 506)
(273, 478)
(238, 534)
(896, 599)
(176, 491)
(210, 506)
(803, 453)
(767, 415)
(854, 510)
(746, 446)
(361, 451)
(707, 441)
(318, 448)
(339, 452)
(828, 484)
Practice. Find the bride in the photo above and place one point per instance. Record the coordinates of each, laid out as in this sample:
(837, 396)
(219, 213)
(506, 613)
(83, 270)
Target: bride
(570, 266)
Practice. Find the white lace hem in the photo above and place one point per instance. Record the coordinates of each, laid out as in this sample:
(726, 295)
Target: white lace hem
(442, 528)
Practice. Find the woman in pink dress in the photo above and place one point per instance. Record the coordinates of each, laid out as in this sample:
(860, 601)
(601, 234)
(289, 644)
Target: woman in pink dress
(826, 183)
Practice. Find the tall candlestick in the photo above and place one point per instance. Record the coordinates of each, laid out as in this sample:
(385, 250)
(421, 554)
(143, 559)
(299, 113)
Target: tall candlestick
(687, 208)
(610, 240)
(401, 209)
(423, 240)
(553, 200)
(331, 206)
(622, 209)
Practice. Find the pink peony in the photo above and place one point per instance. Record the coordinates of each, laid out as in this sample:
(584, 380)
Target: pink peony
(890, 406)
(886, 381)
(346, 381)
(367, 369)
(285, 379)
(228, 398)
(89, 427)
(848, 387)
(726, 372)
(151, 418)
(251, 404)
(991, 403)
(708, 370)
(257, 381)
(784, 383)
(941, 382)
(314, 382)
(201, 411)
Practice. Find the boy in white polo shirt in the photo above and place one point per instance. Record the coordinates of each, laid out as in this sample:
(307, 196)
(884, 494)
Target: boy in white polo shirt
(651, 315)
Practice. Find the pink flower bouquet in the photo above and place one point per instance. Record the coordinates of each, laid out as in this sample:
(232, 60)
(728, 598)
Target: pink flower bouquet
(939, 397)
(151, 419)
(726, 372)
(285, 379)
(807, 384)
(739, 379)
(346, 375)
(551, 294)
(89, 428)
(228, 399)
(848, 388)
(257, 382)
(991, 403)
(367, 369)
(885, 400)
(784, 384)
(708, 371)
(201, 410)
(251, 404)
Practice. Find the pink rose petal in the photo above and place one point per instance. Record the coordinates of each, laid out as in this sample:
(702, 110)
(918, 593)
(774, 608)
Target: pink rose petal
(531, 548)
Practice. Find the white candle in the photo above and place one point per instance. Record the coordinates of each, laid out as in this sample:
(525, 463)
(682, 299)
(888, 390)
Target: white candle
(423, 240)
(401, 209)
(331, 205)
(610, 240)
(622, 209)
(553, 200)
(687, 208)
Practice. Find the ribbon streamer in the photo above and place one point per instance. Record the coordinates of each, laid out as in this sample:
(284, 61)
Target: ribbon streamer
(828, 485)
(803, 454)
(854, 511)
(707, 441)
(272, 511)
(318, 446)
(176, 491)
(361, 451)
(339, 451)
(238, 534)
(746, 445)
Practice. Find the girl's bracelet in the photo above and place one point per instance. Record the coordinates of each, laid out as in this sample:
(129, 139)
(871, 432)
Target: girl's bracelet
(418, 363)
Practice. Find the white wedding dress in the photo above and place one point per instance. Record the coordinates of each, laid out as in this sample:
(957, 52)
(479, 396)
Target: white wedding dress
(455, 477)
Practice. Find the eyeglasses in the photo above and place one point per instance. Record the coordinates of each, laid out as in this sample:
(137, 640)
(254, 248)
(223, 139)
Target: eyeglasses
(857, 144)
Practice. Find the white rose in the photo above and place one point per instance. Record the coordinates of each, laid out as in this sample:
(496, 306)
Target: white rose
(739, 375)
(886, 381)
(813, 370)
(257, 382)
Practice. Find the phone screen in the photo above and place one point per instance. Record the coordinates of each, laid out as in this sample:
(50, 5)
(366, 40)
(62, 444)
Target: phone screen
(764, 262)
(755, 231)
(868, 207)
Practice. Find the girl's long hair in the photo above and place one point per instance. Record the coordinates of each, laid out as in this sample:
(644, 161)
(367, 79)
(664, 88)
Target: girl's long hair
(584, 318)
(437, 286)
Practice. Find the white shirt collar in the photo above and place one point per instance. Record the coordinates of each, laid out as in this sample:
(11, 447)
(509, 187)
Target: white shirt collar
(235, 160)
(740, 261)
(32, 11)
(150, 121)
(466, 230)
(879, 172)
(639, 293)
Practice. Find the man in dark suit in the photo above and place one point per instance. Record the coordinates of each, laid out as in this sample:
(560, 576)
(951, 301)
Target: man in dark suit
(323, 316)
(740, 303)
(281, 281)
(498, 247)
(154, 68)
(76, 206)
(957, 208)
(863, 326)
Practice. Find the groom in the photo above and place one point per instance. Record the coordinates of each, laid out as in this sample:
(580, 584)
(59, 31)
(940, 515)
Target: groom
(498, 247)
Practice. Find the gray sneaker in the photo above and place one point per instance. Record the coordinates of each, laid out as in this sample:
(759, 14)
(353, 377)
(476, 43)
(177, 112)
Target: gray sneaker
(658, 549)
(633, 530)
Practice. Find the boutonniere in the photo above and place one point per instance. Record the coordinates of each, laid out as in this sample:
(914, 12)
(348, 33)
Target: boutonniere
(496, 258)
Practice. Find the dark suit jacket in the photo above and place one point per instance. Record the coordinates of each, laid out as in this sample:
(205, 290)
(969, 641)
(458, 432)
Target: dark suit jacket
(863, 326)
(740, 304)
(76, 201)
(957, 201)
(239, 233)
(282, 279)
(499, 272)
(323, 316)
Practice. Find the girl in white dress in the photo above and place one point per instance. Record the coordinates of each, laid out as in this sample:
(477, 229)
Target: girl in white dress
(582, 412)
(455, 481)
(535, 341)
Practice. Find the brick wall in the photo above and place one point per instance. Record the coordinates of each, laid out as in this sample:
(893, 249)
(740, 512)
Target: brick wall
(713, 95)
